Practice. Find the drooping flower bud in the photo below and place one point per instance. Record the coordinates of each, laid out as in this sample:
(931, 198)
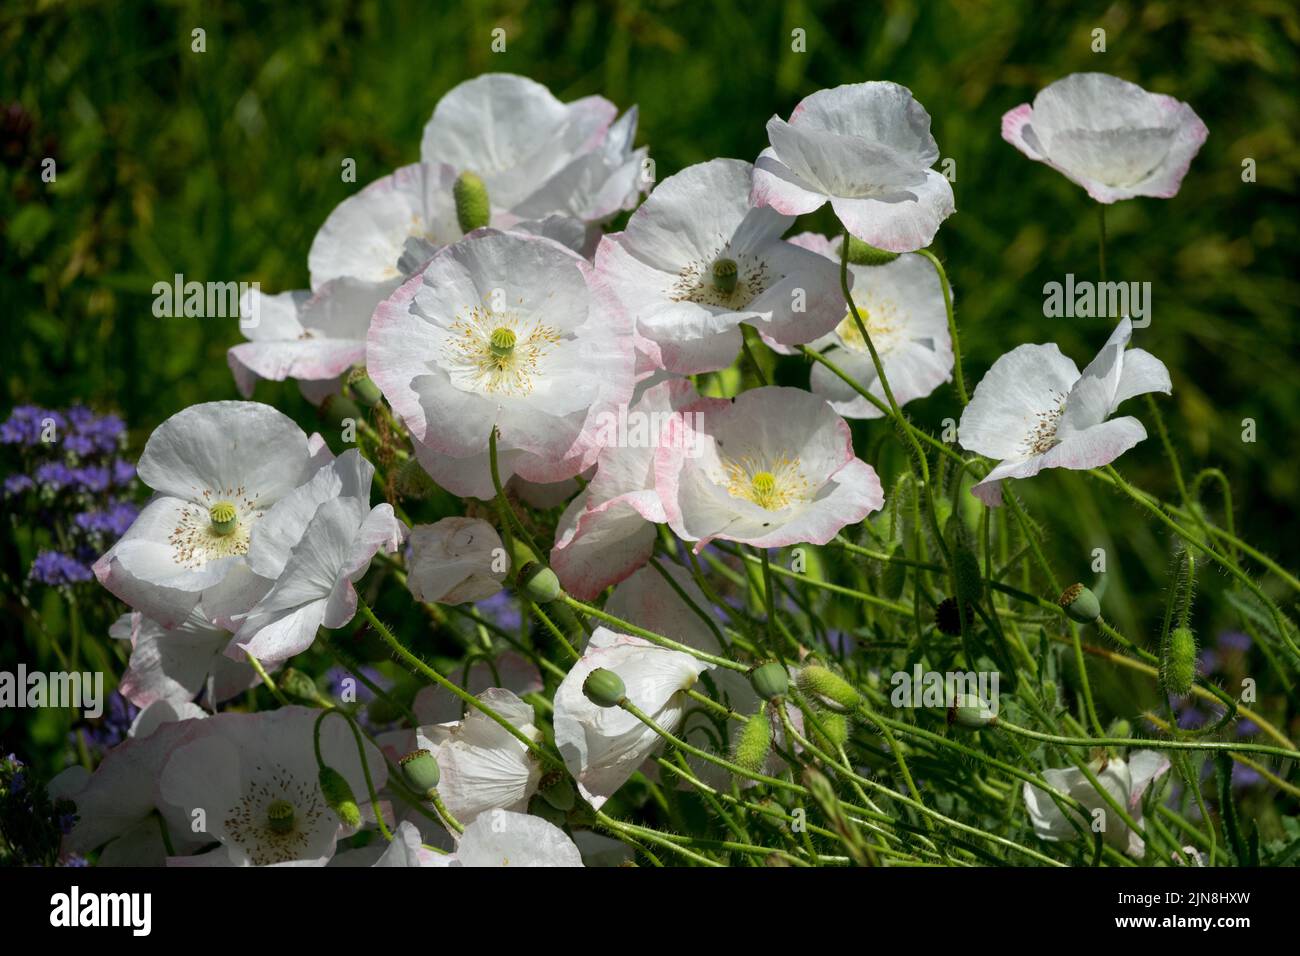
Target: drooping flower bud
(539, 582)
(1178, 662)
(1080, 604)
(362, 388)
(827, 688)
(298, 685)
(473, 211)
(894, 578)
(604, 688)
(970, 711)
(420, 770)
(770, 680)
(754, 741)
(863, 254)
(338, 794)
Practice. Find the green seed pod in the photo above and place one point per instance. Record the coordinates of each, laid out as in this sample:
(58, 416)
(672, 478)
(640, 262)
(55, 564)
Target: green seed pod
(754, 741)
(280, 816)
(336, 408)
(837, 730)
(604, 688)
(970, 711)
(538, 806)
(539, 583)
(420, 770)
(473, 211)
(224, 518)
(362, 388)
(1080, 604)
(827, 688)
(339, 796)
(725, 275)
(862, 254)
(770, 680)
(1178, 662)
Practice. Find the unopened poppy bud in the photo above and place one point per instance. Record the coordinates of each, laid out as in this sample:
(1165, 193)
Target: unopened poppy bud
(1120, 728)
(557, 791)
(895, 577)
(336, 408)
(539, 583)
(827, 688)
(970, 711)
(604, 688)
(1178, 662)
(362, 387)
(831, 732)
(298, 685)
(754, 741)
(1080, 604)
(420, 771)
(338, 794)
(863, 254)
(770, 680)
(473, 211)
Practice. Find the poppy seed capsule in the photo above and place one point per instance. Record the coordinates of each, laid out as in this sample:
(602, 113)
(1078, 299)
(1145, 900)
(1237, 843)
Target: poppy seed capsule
(864, 254)
(339, 796)
(725, 275)
(828, 688)
(363, 388)
(770, 680)
(473, 211)
(970, 711)
(224, 518)
(754, 741)
(1178, 667)
(604, 688)
(280, 816)
(1080, 604)
(420, 770)
(539, 583)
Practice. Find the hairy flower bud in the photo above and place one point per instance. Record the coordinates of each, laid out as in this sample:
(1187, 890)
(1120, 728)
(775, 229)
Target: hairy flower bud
(827, 688)
(1178, 662)
(970, 711)
(862, 254)
(754, 741)
(473, 211)
(339, 796)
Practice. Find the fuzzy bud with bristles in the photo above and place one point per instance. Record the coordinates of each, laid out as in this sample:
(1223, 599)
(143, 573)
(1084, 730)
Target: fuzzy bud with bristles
(338, 794)
(473, 211)
(836, 727)
(863, 254)
(827, 688)
(754, 741)
(1178, 662)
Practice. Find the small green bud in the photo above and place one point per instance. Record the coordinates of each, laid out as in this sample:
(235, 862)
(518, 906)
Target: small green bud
(770, 680)
(1119, 728)
(836, 727)
(1178, 662)
(725, 275)
(604, 688)
(362, 388)
(473, 211)
(298, 685)
(224, 518)
(420, 771)
(1080, 604)
(754, 741)
(827, 688)
(970, 711)
(339, 796)
(280, 816)
(336, 408)
(557, 791)
(539, 583)
(862, 254)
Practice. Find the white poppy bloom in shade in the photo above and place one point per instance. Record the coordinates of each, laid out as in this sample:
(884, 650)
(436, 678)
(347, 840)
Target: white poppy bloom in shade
(696, 260)
(771, 467)
(603, 746)
(503, 331)
(505, 838)
(254, 776)
(1110, 136)
(484, 766)
(867, 149)
(1033, 410)
(314, 545)
(1126, 781)
(901, 304)
(181, 663)
(608, 531)
(216, 470)
(455, 560)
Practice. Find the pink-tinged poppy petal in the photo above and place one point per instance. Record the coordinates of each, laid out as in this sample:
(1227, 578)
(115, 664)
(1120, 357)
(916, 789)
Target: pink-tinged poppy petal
(455, 560)
(1023, 388)
(903, 221)
(776, 186)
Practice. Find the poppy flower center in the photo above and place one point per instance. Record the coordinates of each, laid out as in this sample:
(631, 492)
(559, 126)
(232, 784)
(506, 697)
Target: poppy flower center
(771, 488)
(279, 816)
(495, 353)
(224, 518)
(724, 275)
(1042, 433)
(501, 342)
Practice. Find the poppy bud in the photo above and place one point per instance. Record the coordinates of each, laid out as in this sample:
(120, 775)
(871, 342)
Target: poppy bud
(604, 688)
(828, 688)
(557, 791)
(298, 685)
(863, 254)
(970, 711)
(836, 730)
(362, 387)
(770, 680)
(339, 796)
(539, 583)
(1178, 662)
(754, 741)
(473, 211)
(894, 578)
(1080, 604)
(420, 770)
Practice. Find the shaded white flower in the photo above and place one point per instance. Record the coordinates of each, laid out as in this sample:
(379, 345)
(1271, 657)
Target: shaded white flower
(866, 148)
(771, 467)
(1126, 781)
(1033, 410)
(696, 260)
(1110, 136)
(216, 470)
(504, 838)
(455, 560)
(254, 777)
(603, 746)
(504, 331)
(483, 765)
(181, 663)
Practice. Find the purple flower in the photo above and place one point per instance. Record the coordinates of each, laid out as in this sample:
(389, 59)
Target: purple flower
(54, 568)
(17, 484)
(123, 472)
(1247, 728)
(55, 475)
(1190, 718)
(1235, 641)
(26, 425)
(501, 611)
(111, 522)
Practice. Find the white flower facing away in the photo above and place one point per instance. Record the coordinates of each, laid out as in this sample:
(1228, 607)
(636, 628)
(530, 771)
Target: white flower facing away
(696, 260)
(1033, 410)
(773, 466)
(603, 746)
(455, 560)
(866, 149)
(508, 332)
(1108, 135)
(255, 779)
(1125, 780)
(181, 663)
(901, 304)
(216, 470)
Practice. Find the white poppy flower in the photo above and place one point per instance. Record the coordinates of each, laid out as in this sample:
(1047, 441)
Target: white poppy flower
(608, 531)
(484, 766)
(1126, 781)
(771, 467)
(314, 545)
(867, 149)
(254, 776)
(181, 663)
(1110, 136)
(504, 838)
(603, 746)
(216, 469)
(1033, 410)
(455, 560)
(696, 260)
(503, 331)
(901, 304)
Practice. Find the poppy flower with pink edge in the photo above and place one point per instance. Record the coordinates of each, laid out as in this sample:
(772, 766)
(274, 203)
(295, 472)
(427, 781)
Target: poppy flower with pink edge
(1108, 135)
(866, 149)
(772, 467)
(455, 560)
(1033, 410)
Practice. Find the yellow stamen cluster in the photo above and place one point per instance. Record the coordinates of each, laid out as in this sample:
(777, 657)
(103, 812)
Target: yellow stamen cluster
(497, 352)
(772, 488)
